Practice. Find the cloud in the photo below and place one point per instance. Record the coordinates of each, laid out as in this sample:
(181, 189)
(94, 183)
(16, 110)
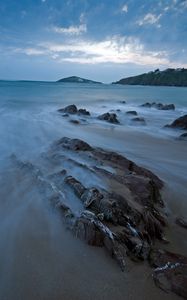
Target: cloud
(114, 50)
(72, 30)
(149, 19)
(30, 51)
(125, 8)
(117, 49)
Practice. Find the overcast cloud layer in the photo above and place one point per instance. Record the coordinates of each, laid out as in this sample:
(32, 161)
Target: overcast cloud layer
(101, 40)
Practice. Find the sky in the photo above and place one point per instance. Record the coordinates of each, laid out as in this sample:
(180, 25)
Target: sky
(100, 40)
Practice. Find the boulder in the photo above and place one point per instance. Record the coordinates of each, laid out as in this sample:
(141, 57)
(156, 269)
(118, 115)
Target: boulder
(109, 117)
(180, 123)
(83, 111)
(70, 109)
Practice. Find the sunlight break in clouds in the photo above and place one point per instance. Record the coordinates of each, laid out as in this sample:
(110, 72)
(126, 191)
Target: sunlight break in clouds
(72, 30)
(117, 50)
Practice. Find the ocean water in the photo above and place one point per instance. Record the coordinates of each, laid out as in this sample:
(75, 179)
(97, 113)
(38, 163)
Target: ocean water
(39, 258)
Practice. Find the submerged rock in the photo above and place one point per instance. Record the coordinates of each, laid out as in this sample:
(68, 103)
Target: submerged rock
(171, 271)
(139, 120)
(131, 112)
(109, 117)
(76, 122)
(159, 106)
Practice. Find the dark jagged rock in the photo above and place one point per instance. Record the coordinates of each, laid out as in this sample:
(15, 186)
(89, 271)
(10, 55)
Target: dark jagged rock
(83, 111)
(122, 102)
(70, 109)
(139, 120)
(159, 106)
(131, 112)
(73, 144)
(180, 123)
(181, 222)
(89, 228)
(171, 271)
(109, 117)
(133, 217)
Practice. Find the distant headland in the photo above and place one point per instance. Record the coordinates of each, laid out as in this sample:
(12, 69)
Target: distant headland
(76, 79)
(168, 77)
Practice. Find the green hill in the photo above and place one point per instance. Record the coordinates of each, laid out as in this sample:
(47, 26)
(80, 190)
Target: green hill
(75, 79)
(168, 77)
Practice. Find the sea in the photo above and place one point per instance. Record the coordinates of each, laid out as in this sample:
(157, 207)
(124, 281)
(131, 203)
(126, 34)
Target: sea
(39, 257)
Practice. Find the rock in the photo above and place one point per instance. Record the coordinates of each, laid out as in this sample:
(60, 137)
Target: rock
(122, 102)
(109, 117)
(73, 144)
(124, 220)
(131, 112)
(147, 104)
(171, 271)
(70, 109)
(83, 111)
(181, 222)
(183, 136)
(159, 106)
(180, 123)
(76, 122)
(168, 107)
(65, 115)
(139, 120)
(89, 228)
(78, 188)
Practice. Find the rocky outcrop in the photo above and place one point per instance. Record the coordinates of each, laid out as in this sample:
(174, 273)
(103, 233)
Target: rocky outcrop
(126, 220)
(180, 123)
(109, 117)
(159, 106)
(170, 272)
